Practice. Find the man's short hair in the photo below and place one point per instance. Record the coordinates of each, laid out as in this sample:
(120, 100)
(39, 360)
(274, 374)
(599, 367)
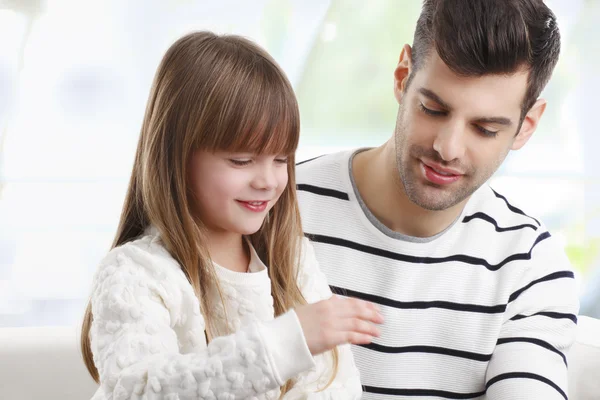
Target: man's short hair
(481, 37)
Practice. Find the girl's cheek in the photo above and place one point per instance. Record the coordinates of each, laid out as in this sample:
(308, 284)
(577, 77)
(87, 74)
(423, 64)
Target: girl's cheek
(283, 179)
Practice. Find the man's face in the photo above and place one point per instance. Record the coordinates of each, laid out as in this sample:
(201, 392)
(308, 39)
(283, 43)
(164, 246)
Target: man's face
(453, 132)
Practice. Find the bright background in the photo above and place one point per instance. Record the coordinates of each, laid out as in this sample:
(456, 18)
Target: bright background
(75, 75)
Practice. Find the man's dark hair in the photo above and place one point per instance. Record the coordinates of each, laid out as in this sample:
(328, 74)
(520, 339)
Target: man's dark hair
(481, 37)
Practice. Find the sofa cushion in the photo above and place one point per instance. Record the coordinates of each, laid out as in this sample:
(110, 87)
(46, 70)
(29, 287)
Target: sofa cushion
(584, 361)
(43, 363)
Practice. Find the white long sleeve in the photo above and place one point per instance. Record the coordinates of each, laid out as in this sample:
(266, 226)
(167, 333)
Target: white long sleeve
(346, 384)
(148, 338)
(529, 361)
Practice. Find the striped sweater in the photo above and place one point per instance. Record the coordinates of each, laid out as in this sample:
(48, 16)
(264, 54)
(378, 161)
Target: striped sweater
(486, 309)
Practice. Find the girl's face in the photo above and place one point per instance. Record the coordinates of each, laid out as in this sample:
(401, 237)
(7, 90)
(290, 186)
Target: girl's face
(235, 191)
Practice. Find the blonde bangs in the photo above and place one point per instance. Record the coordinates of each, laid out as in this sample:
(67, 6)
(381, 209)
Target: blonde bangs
(255, 110)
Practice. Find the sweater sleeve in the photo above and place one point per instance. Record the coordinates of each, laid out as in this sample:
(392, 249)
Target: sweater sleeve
(529, 361)
(137, 353)
(309, 384)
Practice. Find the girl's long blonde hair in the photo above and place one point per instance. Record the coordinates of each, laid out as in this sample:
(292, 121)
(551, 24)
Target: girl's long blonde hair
(213, 93)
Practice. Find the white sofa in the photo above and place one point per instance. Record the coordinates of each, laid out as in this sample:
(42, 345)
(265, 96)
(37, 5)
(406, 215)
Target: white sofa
(45, 363)
(584, 361)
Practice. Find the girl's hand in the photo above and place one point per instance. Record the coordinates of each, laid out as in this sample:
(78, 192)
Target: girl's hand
(335, 321)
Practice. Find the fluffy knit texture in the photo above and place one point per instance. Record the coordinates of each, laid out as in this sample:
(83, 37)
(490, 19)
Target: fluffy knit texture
(148, 341)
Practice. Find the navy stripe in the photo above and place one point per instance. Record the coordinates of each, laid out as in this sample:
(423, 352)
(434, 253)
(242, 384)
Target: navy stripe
(550, 277)
(526, 375)
(485, 217)
(422, 392)
(428, 349)
(454, 395)
(424, 260)
(322, 191)
(537, 342)
(513, 208)
(309, 160)
(549, 314)
(419, 305)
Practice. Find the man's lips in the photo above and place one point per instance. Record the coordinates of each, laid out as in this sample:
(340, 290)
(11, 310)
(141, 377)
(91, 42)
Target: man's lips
(439, 175)
(442, 170)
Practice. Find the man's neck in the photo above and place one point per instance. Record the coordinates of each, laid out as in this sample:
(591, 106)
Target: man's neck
(376, 176)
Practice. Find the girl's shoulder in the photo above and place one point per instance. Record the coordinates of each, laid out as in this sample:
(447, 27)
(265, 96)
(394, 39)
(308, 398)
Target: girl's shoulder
(144, 258)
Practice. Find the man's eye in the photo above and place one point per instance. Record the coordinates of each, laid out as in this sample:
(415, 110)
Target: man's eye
(486, 132)
(431, 112)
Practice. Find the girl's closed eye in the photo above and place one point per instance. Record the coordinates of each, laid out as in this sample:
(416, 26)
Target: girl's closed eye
(240, 162)
(282, 160)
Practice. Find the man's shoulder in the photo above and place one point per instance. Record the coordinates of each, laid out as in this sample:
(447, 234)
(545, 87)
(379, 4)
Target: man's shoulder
(492, 213)
(323, 179)
(496, 205)
(332, 164)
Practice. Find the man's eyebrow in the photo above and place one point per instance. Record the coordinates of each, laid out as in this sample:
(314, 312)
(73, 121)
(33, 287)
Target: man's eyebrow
(431, 95)
(495, 120)
(485, 120)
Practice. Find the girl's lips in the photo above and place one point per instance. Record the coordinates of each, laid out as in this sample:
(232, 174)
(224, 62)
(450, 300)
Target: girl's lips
(255, 206)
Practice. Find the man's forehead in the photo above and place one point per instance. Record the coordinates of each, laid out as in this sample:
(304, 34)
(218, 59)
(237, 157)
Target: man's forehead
(496, 91)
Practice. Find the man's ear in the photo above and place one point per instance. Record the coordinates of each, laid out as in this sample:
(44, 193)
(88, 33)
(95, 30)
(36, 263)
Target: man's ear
(402, 71)
(529, 125)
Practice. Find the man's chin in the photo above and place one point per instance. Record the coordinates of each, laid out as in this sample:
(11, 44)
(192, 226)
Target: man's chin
(433, 206)
(432, 199)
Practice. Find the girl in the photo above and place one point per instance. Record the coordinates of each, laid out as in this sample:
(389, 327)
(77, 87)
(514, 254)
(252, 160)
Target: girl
(210, 291)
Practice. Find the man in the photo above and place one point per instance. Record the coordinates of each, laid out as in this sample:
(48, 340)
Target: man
(479, 300)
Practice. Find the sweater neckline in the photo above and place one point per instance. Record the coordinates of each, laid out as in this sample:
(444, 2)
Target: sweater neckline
(257, 271)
